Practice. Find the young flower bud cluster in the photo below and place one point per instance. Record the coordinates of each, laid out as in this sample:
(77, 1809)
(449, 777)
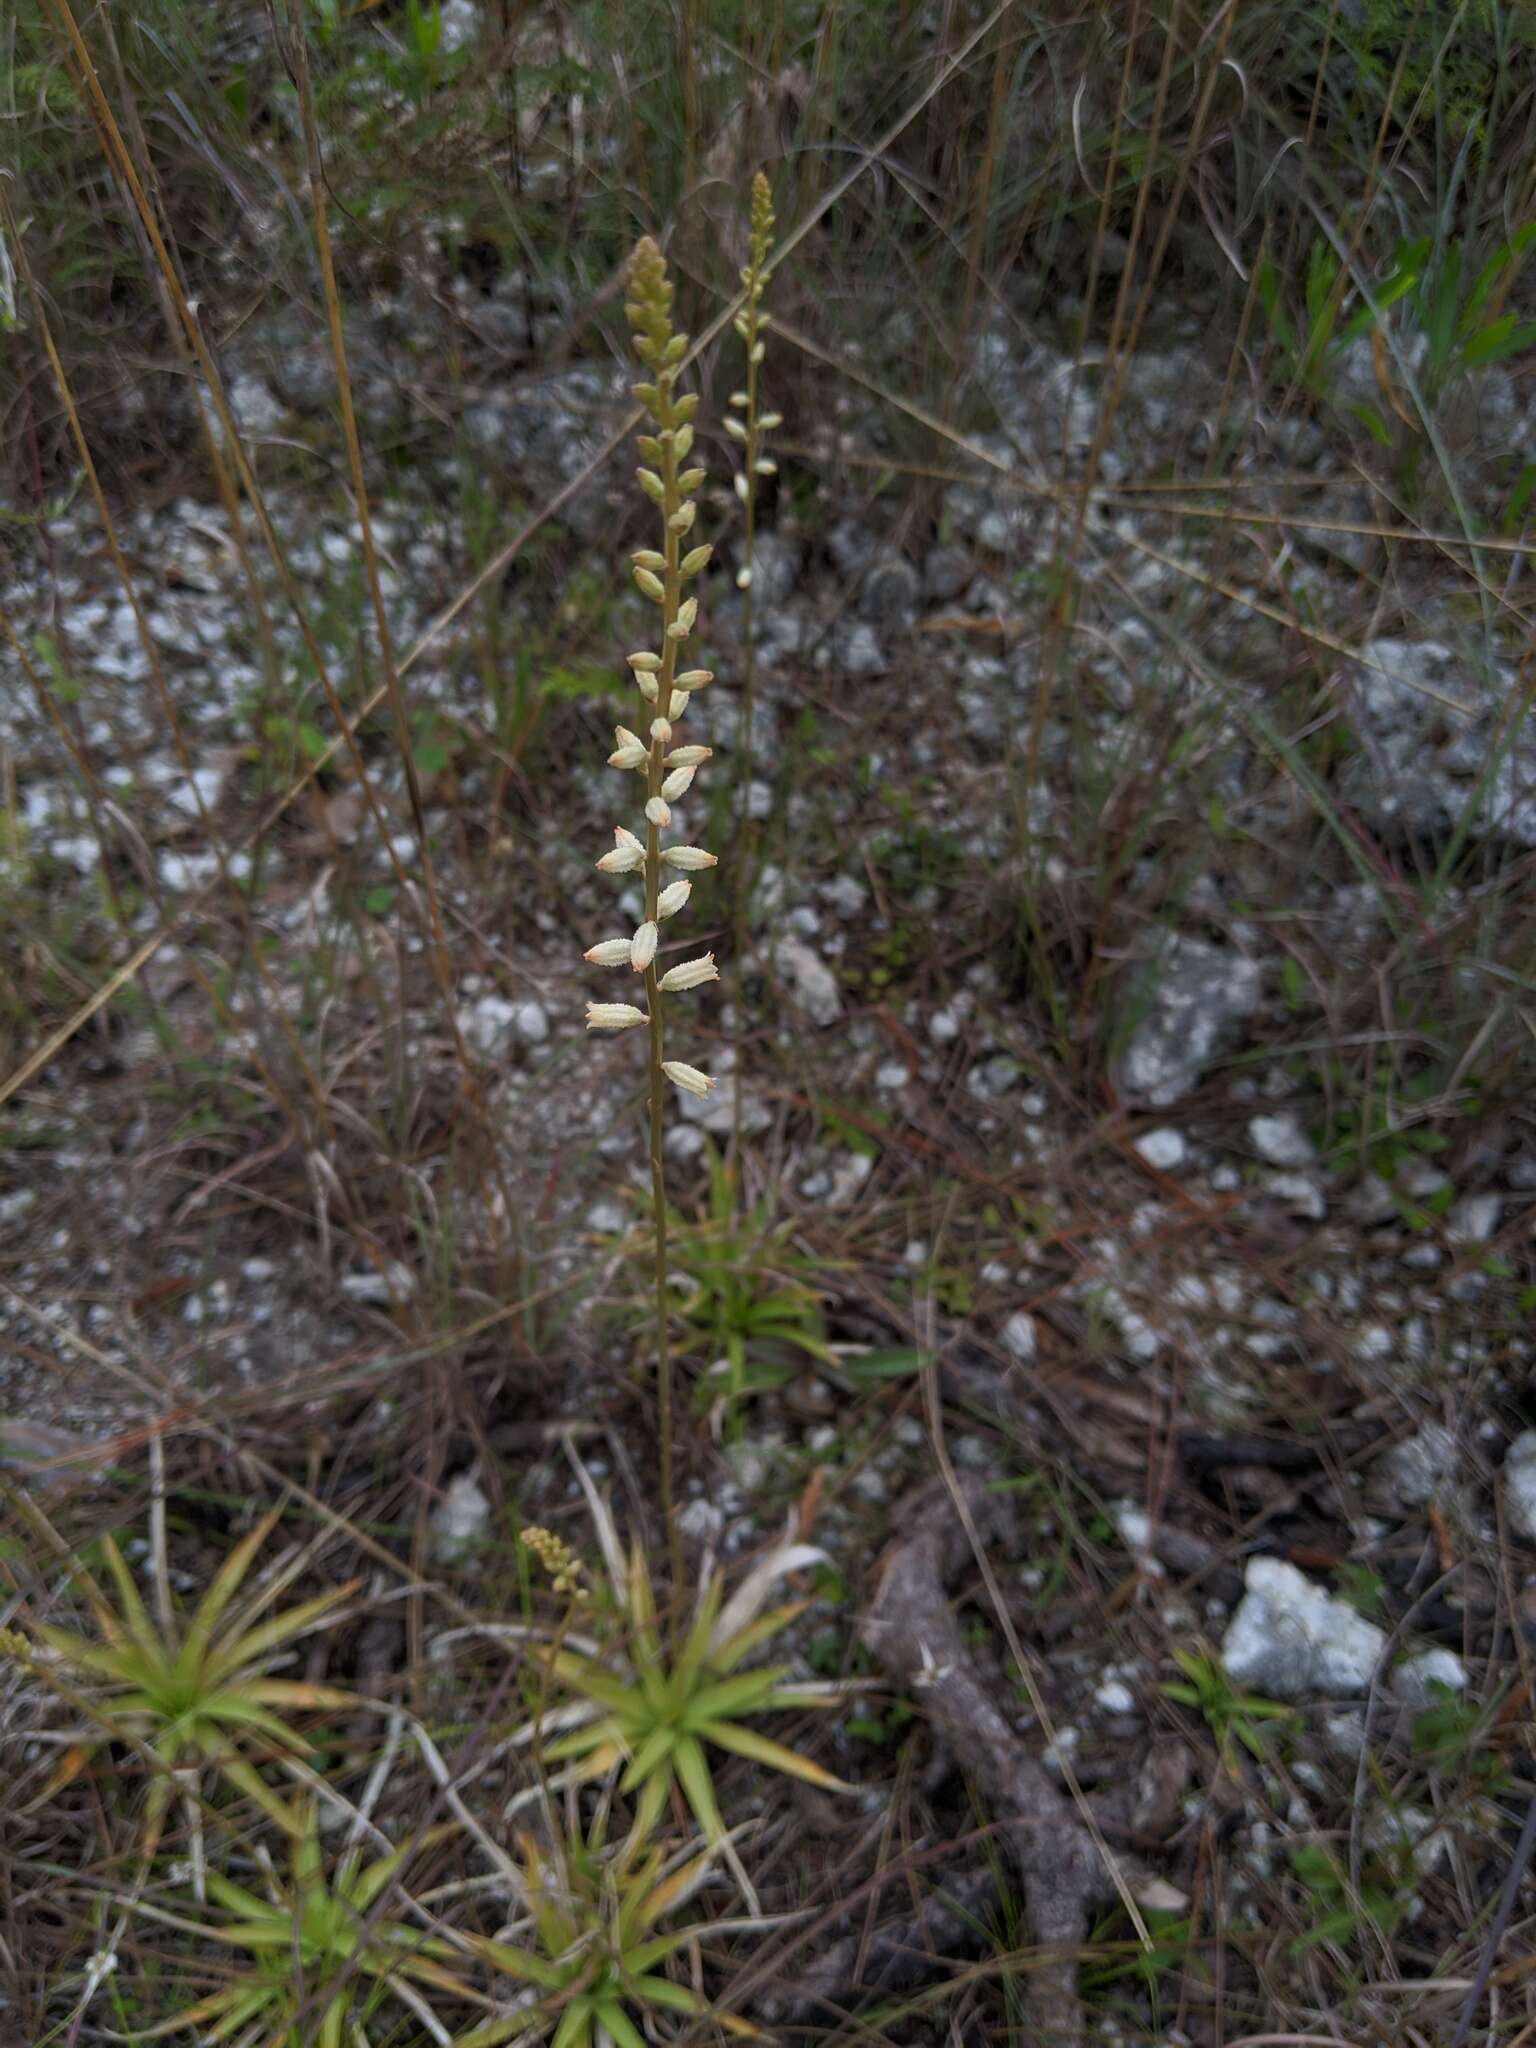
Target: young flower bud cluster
(558, 1559)
(752, 424)
(668, 479)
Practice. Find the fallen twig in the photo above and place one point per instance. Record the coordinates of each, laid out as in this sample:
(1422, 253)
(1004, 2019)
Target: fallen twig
(913, 1632)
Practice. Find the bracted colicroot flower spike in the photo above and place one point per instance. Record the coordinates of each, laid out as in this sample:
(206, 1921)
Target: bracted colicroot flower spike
(669, 769)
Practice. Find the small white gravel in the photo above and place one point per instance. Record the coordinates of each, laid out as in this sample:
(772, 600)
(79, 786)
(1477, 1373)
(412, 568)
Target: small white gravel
(1019, 1335)
(1281, 1141)
(1520, 1484)
(1414, 1676)
(1291, 1639)
(1165, 1148)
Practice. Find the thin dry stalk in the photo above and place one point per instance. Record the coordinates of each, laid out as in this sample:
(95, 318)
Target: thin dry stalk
(748, 431)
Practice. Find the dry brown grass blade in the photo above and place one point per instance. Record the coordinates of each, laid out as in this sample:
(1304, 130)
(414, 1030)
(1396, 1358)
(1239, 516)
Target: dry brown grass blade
(121, 162)
(232, 895)
(500, 1211)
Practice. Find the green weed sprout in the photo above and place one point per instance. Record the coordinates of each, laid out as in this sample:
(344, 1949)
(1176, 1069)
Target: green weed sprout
(748, 431)
(668, 769)
(657, 1710)
(194, 1700)
(753, 1305)
(1231, 1714)
(594, 1918)
(305, 1936)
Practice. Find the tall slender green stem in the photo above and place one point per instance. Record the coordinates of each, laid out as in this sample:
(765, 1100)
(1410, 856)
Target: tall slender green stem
(668, 770)
(748, 431)
(654, 776)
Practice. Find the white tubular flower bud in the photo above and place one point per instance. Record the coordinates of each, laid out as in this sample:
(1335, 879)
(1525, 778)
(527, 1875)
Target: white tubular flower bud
(660, 730)
(694, 560)
(690, 974)
(769, 421)
(656, 811)
(688, 757)
(644, 660)
(647, 558)
(642, 947)
(690, 480)
(743, 579)
(613, 1016)
(758, 351)
(734, 428)
(691, 859)
(694, 678)
(650, 690)
(608, 953)
(742, 487)
(689, 1079)
(676, 784)
(630, 750)
(687, 612)
(683, 443)
(740, 398)
(672, 898)
(766, 468)
(627, 855)
(652, 485)
(682, 519)
(679, 703)
(651, 584)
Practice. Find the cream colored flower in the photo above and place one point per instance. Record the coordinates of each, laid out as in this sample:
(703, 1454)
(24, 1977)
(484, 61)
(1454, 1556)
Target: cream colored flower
(608, 953)
(672, 898)
(613, 1016)
(630, 751)
(689, 1079)
(677, 782)
(627, 855)
(690, 974)
(691, 859)
(642, 947)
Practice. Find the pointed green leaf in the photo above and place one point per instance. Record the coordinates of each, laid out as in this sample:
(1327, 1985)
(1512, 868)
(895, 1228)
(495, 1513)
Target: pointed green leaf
(127, 1664)
(518, 1963)
(575, 2028)
(653, 1751)
(744, 1694)
(135, 1615)
(247, 1649)
(662, 1991)
(222, 1589)
(612, 2016)
(600, 1739)
(747, 1742)
(696, 1645)
(596, 1682)
(763, 1630)
(692, 1770)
